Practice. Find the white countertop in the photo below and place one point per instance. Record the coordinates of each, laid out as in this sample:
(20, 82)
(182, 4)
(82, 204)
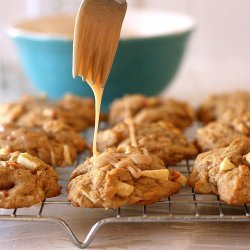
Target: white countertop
(191, 86)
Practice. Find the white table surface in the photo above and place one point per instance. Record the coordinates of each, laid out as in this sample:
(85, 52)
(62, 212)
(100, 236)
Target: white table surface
(191, 86)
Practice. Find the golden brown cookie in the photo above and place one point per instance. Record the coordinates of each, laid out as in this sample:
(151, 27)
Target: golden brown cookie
(224, 172)
(12, 112)
(120, 177)
(221, 133)
(240, 123)
(75, 112)
(25, 180)
(151, 109)
(58, 148)
(160, 138)
(215, 135)
(224, 106)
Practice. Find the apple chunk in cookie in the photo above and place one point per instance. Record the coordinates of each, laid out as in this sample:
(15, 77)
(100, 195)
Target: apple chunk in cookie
(122, 176)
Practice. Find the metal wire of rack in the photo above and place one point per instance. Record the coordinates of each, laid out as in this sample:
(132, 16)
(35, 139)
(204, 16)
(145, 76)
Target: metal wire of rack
(186, 206)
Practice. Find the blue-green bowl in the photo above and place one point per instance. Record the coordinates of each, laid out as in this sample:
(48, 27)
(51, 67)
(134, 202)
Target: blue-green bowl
(146, 60)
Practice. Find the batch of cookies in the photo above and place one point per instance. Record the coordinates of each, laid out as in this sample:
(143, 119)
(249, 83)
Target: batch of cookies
(38, 135)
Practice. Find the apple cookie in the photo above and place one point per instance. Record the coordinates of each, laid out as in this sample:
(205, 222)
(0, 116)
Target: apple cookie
(25, 180)
(159, 138)
(58, 148)
(216, 135)
(221, 133)
(122, 176)
(151, 109)
(75, 112)
(224, 172)
(224, 106)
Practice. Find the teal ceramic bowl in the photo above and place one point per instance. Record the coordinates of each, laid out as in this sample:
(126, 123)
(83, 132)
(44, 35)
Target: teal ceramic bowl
(149, 54)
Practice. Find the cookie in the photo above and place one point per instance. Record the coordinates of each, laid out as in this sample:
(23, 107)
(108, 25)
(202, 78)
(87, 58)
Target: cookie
(12, 112)
(224, 106)
(240, 123)
(120, 177)
(25, 180)
(224, 172)
(221, 133)
(57, 149)
(75, 112)
(151, 109)
(216, 135)
(159, 138)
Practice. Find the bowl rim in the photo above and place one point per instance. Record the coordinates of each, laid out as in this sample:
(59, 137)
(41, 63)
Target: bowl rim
(15, 32)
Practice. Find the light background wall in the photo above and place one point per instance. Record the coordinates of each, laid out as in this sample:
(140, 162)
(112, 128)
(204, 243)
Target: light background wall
(219, 49)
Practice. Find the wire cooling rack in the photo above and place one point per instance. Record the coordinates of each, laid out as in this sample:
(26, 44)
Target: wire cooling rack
(186, 206)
